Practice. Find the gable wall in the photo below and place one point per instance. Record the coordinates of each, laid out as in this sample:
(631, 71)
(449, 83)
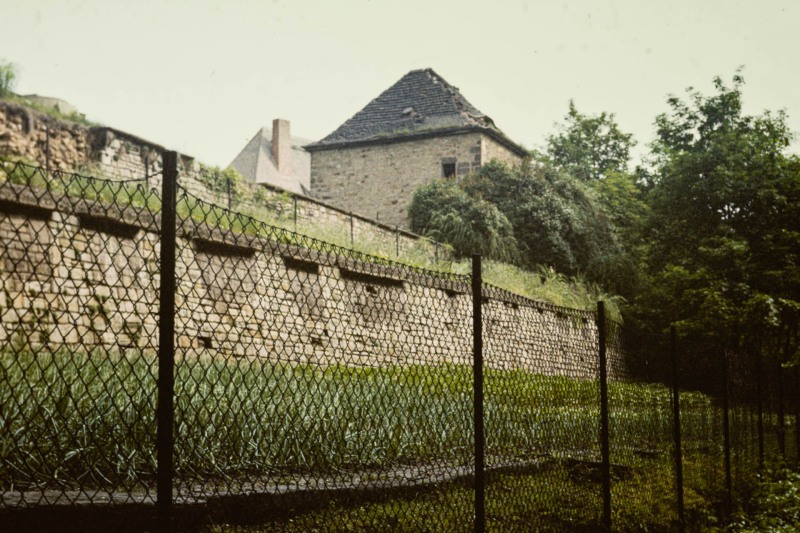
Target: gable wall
(492, 149)
(379, 180)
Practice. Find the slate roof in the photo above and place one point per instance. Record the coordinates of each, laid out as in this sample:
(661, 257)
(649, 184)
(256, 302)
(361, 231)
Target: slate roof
(257, 163)
(421, 103)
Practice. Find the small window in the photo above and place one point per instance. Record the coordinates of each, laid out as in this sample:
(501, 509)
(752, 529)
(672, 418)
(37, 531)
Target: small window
(449, 170)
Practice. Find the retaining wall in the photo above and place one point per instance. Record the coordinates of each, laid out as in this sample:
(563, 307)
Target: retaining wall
(79, 275)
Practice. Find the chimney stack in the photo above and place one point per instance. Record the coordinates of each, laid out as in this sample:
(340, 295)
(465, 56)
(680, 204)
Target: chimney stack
(282, 146)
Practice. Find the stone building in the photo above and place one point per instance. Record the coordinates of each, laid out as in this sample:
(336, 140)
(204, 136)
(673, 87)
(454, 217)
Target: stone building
(419, 129)
(275, 157)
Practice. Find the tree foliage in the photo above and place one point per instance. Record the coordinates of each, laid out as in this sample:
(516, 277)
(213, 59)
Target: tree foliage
(8, 78)
(589, 147)
(724, 225)
(557, 220)
(532, 214)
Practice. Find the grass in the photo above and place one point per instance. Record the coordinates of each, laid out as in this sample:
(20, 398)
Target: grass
(73, 420)
(48, 110)
(106, 192)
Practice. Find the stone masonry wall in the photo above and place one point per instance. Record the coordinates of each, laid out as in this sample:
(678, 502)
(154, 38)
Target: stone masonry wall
(380, 179)
(491, 149)
(24, 133)
(80, 276)
(119, 155)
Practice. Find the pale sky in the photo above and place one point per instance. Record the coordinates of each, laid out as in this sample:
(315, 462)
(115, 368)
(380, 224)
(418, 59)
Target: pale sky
(203, 76)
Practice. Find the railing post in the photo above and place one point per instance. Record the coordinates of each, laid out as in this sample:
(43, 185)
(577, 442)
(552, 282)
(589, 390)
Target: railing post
(477, 386)
(352, 240)
(397, 241)
(166, 343)
(726, 429)
(676, 427)
(228, 189)
(47, 151)
(605, 448)
(294, 211)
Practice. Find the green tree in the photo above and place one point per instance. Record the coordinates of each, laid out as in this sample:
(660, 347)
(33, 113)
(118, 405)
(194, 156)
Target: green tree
(8, 78)
(624, 201)
(725, 220)
(443, 211)
(589, 147)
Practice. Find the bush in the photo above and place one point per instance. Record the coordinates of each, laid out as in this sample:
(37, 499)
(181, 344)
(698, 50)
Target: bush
(775, 505)
(443, 211)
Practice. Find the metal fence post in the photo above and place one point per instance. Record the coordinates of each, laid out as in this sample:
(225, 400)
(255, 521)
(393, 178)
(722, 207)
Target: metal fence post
(781, 412)
(294, 211)
(228, 187)
(477, 385)
(726, 430)
(166, 342)
(397, 241)
(676, 427)
(605, 448)
(760, 407)
(796, 414)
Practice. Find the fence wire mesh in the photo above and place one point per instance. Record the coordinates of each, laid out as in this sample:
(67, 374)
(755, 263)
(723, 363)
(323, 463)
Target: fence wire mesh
(79, 270)
(542, 414)
(307, 369)
(318, 388)
(643, 487)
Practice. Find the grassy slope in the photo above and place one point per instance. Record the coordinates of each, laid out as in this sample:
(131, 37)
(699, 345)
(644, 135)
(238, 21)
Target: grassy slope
(545, 284)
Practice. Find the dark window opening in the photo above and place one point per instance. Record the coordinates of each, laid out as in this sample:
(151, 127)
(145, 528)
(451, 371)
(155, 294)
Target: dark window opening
(449, 170)
(223, 249)
(30, 211)
(204, 342)
(109, 226)
(301, 265)
(370, 279)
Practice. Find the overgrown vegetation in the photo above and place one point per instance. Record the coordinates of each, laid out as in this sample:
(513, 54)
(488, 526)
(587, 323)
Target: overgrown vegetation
(533, 215)
(89, 420)
(774, 505)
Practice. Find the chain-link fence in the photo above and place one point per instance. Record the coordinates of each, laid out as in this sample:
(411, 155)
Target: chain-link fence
(79, 270)
(307, 387)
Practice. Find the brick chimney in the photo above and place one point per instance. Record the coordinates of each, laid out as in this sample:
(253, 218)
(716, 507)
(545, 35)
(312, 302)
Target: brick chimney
(282, 146)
